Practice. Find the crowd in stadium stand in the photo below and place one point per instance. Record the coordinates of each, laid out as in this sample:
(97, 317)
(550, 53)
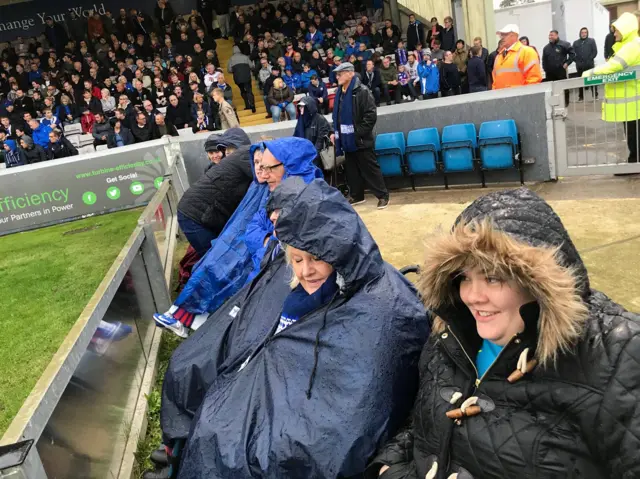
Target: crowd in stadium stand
(129, 77)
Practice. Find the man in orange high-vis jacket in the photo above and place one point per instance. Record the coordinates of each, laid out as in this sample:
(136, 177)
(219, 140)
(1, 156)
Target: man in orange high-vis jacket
(517, 64)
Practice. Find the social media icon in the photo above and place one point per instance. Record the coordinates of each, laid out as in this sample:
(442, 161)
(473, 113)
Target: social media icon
(113, 193)
(136, 188)
(158, 182)
(89, 198)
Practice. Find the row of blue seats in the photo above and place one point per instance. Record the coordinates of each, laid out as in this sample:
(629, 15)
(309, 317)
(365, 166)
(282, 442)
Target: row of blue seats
(495, 147)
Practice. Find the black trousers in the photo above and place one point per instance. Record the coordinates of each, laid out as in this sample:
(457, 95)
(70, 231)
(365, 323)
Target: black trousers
(632, 140)
(386, 91)
(247, 94)
(376, 94)
(578, 74)
(362, 168)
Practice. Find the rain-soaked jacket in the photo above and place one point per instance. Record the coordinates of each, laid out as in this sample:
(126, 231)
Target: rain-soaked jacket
(316, 400)
(621, 98)
(229, 263)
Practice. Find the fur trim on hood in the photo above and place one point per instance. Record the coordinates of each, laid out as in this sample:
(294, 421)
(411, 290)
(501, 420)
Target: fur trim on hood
(541, 269)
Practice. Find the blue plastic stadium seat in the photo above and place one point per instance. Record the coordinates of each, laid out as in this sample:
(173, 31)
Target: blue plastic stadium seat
(498, 142)
(389, 151)
(423, 148)
(459, 143)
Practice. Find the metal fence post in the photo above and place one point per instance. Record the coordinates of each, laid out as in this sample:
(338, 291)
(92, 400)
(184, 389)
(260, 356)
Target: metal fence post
(558, 118)
(155, 270)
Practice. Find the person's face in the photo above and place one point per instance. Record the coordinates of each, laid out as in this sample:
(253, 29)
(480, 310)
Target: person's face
(447, 23)
(99, 117)
(460, 46)
(617, 35)
(553, 37)
(310, 271)
(477, 43)
(495, 305)
(148, 106)
(48, 114)
(142, 119)
(584, 33)
(173, 100)
(160, 119)
(215, 156)
(23, 145)
(5, 122)
(271, 170)
(178, 91)
(297, 56)
(386, 62)
(344, 78)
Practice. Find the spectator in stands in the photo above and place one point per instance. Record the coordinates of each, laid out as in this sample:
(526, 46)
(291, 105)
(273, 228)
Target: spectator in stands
(89, 101)
(39, 132)
(226, 113)
(460, 58)
(281, 99)
(448, 36)
(329, 41)
(609, 41)
(59, 146)
(371, 79)
(141, 130)
(225, 87)
(266, 88)
(32, 153)
(23, 103)
(312, 125)
(411, 68)
(390, 42)
(293, 80)
(450, 81)
(305, 78)
(484, 53)
(318, 90)
(101, 129)
(354, 118)
(404, 84)
(56, 35)
(199, 105)
(314, 37)
(402, 56)
(429, 77)
(120, 136)
(160, 128)
(108, 103)
(51, 120)
(178, 113)
(586, 52)
(87, 120)
(388, 24)
(512, 51)
(240, 65)
(415, 33)
(389, 79)
(202, 123)
(476, 71)
(434, 33)
(13, 156)
(149, 111)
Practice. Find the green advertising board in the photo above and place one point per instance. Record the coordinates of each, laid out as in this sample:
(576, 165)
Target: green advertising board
(60, 190)
(612, 78)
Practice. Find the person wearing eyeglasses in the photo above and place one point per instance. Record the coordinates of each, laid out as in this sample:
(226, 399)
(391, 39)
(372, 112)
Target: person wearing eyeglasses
(225, 269)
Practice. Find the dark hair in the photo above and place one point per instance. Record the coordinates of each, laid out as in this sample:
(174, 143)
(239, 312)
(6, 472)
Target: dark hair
(434, 19)
(554, 31)
(476, 51)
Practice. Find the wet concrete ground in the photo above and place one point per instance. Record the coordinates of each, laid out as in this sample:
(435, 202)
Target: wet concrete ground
(602, 215)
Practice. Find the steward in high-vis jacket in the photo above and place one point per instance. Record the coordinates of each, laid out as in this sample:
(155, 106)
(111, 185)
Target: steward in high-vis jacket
(621, 98)
(516, 64)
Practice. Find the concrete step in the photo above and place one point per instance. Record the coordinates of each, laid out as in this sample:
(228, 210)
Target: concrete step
(245, 113)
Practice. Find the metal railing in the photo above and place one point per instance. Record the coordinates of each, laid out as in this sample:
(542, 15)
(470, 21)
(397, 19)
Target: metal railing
(75, 396)
(591, 134)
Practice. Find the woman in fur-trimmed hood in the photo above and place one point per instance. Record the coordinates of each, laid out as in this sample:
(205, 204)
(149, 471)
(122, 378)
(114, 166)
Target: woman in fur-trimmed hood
(528, 373)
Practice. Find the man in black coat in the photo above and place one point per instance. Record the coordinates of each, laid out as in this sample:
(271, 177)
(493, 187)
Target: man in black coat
(586, 53)
(371, 79)
(556, 58)
(209, 203)
(56, 35)
(415, 33)
(141, 130)
(360, 161)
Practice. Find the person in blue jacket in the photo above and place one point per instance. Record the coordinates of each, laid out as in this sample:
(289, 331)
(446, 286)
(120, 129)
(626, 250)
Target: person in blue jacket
(40, 133)
(234, 258)
(428, 77)
(314, 36)
(13, 156)
(307, 371)
(305, 78)
(292, 80)
(318, 90)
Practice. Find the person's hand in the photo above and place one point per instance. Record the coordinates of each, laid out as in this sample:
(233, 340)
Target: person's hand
(186, 125)
(333, 138)
(320, 100)
(103, 138)
(383, 470)
(565, 66)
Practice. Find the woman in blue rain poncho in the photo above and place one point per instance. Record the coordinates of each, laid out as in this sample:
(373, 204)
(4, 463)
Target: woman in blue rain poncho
(303, 382)
(236, 254)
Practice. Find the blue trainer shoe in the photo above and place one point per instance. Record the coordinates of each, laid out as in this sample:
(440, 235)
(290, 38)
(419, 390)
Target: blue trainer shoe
(168, 321)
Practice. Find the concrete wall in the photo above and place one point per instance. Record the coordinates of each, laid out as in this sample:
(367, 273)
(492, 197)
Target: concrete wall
(428, 8)
(527, 106)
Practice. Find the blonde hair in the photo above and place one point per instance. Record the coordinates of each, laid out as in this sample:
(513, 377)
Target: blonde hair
(293, 281)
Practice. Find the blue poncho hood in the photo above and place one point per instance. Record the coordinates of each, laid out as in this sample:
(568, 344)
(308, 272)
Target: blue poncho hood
(297, 155)
(11, 144)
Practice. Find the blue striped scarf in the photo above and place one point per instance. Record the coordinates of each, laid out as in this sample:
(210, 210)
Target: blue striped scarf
(346, 137)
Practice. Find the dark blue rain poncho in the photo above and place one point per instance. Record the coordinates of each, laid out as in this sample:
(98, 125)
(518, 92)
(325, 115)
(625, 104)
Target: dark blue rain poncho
(316, 400)
(235, 256)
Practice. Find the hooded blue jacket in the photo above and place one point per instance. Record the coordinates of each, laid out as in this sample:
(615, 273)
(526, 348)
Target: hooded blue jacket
(41, 135)
(320, 397)
(305, 78)
(14, 157)
(294, 81)
(429, 76)
(235, 256)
